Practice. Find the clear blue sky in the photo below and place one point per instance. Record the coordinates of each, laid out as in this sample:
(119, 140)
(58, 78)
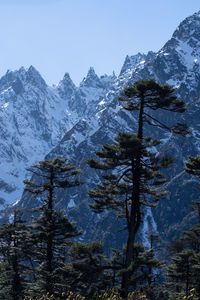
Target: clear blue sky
(58, 36)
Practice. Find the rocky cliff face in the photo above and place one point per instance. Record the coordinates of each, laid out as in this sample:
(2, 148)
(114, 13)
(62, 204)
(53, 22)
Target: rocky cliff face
(90, 115)
(32, 121)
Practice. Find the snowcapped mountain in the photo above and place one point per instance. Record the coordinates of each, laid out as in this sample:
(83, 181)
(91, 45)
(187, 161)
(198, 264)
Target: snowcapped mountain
(34, 118)
(90, 115)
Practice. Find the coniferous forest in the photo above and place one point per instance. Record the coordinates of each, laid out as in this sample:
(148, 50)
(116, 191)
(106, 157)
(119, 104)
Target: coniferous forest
(43, 254)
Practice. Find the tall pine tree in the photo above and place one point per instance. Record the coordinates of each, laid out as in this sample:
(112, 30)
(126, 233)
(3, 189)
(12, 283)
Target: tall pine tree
(145, 96)
(51, 230)
(135, 169)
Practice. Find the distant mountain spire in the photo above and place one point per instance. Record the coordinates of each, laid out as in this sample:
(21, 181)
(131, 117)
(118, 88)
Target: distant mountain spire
(132, 61)
(35, 78)
(66, 88)
(67, 80)
(91, 80)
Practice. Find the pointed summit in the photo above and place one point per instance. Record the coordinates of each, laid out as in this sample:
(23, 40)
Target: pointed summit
(91, 72)
(187, 33)
(188, 28)
(66, 88)
(131, 62)
(91, 80)
(67, 76)
(34, 77)
(114, 75)
(12, 79)
(108, 80)
(183, 47)
(19, 78)
(67, 80)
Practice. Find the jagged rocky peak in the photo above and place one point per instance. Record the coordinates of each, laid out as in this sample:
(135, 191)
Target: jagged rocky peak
(20, 78)
(189, 29)
(178, 61)
(66, 88)
(34, 77)
(187, 36)
(67, 80)
(108, 80)
(131, 62)
(10, 78)
(91, 80)
(33, 120)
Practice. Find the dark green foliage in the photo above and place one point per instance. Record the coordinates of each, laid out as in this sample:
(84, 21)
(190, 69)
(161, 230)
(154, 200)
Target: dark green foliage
(90, 271)
(54, 173)
(15, 254)
(88, 268)
(117, 191)
(147, 94)
(120, 158)
(142, 266)
(51, 230)
(181, 271)
(184, 272)
(193, 166)
(120, 187)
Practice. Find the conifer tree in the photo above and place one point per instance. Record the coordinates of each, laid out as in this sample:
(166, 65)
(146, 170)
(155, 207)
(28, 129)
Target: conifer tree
(191, 239)
(86, 268)
(143, 261)
(14, 253)
(145, 96)
(51, 230)
(136, 167)
(117, 190)
(192, 236)
(184, 273)
(193, 166)
(181, 271)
